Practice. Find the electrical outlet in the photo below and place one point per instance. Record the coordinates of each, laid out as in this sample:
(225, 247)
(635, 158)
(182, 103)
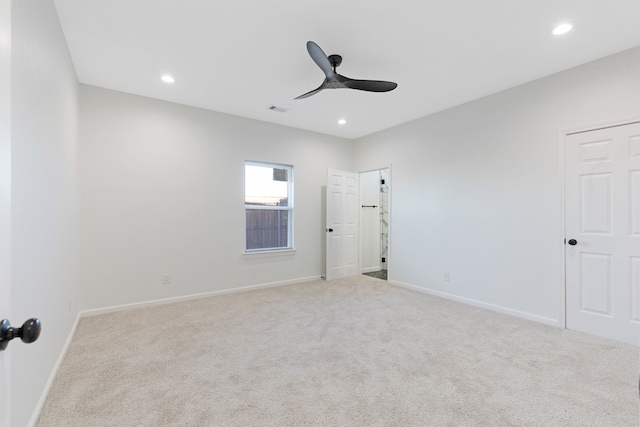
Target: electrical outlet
(447, 276)
(166, 279)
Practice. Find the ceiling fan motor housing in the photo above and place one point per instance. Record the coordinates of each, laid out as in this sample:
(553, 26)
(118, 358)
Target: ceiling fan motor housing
(335, 60)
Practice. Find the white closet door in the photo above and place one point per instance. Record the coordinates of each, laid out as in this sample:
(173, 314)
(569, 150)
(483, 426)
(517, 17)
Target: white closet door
(602, 207)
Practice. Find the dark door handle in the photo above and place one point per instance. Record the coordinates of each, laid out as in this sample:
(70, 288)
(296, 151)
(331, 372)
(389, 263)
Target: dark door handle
(572, 242)
(330, 230)
(28, 333)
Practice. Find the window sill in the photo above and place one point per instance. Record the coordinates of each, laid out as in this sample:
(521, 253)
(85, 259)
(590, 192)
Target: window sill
(269, 253)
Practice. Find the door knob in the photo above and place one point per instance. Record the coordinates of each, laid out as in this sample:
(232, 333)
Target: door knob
(572, 242)
(28, 333)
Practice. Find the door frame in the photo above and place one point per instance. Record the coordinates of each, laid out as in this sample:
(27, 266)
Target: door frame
(373, 169)
(561, 253)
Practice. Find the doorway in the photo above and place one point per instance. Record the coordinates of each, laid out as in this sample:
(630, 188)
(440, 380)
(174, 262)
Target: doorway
(374, 223)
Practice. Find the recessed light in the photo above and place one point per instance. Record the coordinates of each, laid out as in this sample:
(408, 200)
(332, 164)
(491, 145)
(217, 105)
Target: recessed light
(168, 79)
(342, 121)
(562, 29)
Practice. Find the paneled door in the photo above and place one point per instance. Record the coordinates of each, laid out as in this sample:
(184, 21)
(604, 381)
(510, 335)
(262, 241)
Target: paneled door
(342, 224)
(602, 222)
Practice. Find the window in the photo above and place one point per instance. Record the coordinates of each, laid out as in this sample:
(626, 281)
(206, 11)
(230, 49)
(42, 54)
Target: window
(268, 204)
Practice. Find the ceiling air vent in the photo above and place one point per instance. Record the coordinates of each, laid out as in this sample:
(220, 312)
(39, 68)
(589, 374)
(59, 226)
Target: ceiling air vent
(278, 109)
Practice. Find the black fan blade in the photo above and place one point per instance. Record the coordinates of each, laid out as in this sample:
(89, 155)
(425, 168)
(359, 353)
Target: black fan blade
(369, 85)
(313, 92)
(320, 58)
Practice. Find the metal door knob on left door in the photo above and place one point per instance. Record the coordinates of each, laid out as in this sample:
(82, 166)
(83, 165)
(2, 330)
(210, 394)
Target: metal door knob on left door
(572, 242)
(28, 333)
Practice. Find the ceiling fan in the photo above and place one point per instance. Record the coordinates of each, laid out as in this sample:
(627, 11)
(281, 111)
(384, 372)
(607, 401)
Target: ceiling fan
(334, 80)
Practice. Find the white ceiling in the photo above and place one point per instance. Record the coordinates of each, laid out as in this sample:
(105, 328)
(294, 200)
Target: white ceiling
(242, 56)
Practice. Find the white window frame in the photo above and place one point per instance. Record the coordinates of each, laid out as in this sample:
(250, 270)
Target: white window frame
(289, 207)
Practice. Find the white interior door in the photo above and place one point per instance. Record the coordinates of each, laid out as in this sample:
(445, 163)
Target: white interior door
(5, 196)
(342, 224)
(602, 208)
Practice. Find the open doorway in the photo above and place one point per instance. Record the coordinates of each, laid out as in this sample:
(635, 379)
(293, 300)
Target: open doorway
(374, 223)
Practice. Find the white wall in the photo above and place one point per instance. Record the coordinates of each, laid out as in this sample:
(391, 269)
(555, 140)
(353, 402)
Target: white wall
(476, 187)
(44, 245)
(162, 192)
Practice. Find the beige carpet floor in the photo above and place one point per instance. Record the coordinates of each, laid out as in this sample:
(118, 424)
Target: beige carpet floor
(354, 352)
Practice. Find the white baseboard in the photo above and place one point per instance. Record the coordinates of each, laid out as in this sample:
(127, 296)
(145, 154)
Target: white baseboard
(53, 374)
(115, 308)
(492, 307)
(371, 269)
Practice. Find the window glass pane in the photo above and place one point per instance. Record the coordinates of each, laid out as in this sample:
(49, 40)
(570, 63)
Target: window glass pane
(267, 228)
(265, 186)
